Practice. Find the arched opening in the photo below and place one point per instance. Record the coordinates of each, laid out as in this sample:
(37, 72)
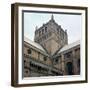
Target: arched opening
(69, 68)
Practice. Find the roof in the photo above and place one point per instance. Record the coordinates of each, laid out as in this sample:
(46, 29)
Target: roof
(51, 20)
(66, 47)
(34, 44)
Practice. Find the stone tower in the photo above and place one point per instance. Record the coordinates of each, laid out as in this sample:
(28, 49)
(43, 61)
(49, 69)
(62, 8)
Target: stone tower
(51, 36)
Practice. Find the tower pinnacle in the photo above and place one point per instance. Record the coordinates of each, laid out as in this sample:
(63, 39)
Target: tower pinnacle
(52, 17)
(36, 28)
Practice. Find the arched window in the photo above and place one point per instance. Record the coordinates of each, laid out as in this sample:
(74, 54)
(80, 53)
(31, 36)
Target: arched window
(42, 31)
(45, 29)
(45, 58)
(56, 61)
(57, 30)
(29, 51)
(69, 67)
(39, 33)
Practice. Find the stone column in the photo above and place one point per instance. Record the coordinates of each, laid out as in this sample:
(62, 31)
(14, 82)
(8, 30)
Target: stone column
(63, 64)
(74, 63)
(50, 68)
(49, 71)
(38, 56)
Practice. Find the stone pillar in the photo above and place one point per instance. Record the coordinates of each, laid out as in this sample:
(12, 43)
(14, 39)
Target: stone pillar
(63, 64)
(38, 56)
(50, 68)
(75, 68)
(49, 71)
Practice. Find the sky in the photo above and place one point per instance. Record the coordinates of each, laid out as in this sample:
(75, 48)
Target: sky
(69, 22)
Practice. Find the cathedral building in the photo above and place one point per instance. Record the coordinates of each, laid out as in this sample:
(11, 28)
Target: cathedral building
(50, 54)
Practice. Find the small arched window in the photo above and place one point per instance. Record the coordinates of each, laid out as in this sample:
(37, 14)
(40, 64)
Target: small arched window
(42, 31)
(45, 29)
(56, 60)
(45, 58)
(29, 51)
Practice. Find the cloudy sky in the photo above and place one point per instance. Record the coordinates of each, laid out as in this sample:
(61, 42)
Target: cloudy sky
(67, 21)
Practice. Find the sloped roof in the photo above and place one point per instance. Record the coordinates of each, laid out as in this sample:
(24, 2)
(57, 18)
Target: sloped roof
(34, 44)
(66, 47)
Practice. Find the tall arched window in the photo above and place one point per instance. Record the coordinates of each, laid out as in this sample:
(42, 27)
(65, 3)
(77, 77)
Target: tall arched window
(69, 67)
